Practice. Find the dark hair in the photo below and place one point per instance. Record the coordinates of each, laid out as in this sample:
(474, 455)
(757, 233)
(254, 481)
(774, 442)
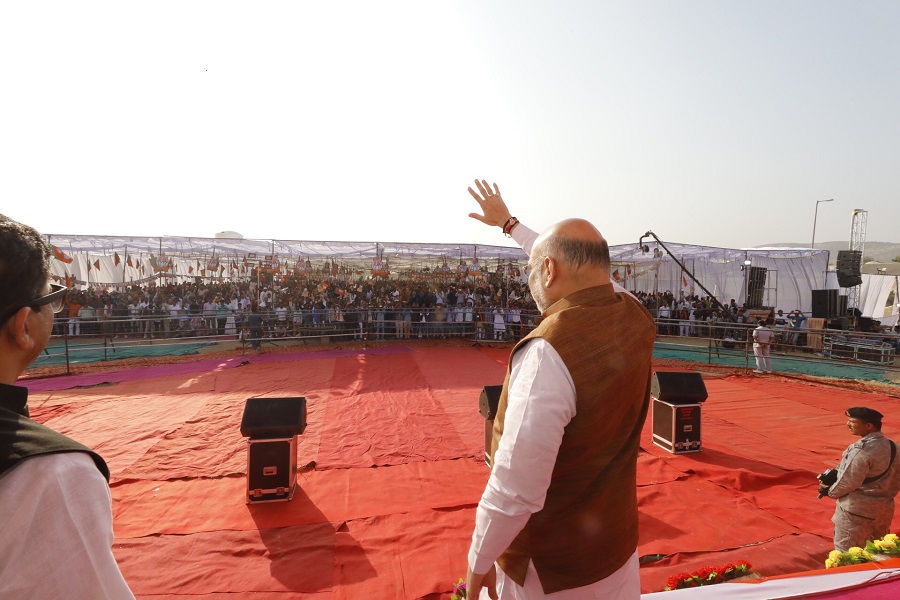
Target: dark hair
(24, 265)
(575, 252)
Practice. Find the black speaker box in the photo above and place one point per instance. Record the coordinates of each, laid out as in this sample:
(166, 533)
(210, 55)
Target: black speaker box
(273, 417)
(678, 388)
(757, 286)
(848, 268)
(488, 401)
(271, 469)
(824, 304)
(849, 261)
(848, 281)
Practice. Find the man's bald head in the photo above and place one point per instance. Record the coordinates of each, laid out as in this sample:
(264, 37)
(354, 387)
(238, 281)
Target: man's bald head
(577, 244)
(568, 257)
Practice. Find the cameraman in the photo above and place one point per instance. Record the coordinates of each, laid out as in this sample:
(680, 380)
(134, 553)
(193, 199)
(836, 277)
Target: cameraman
(868, 478)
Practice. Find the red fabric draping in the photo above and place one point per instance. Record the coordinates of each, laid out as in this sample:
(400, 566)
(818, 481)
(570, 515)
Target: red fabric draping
(393, 452)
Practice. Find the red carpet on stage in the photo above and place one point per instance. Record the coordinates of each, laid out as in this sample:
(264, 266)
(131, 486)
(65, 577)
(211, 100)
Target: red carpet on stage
(396, 439)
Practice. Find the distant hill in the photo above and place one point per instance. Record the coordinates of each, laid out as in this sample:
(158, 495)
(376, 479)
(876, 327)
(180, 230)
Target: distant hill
(877, 251)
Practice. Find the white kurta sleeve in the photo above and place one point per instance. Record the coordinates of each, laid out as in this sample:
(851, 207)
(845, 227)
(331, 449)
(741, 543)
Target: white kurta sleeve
(524, 237)
(540, 403)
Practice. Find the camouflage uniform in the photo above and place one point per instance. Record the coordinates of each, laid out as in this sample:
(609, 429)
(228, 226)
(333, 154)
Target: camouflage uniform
(864, 510)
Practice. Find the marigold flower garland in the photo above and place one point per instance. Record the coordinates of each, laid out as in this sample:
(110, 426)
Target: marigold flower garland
(889, 545)
(709, 576)
(853, 556)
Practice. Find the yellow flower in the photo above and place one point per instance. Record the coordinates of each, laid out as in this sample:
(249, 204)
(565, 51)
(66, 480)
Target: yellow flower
(855, 551)
(891, 537)
(830, 564)
(887, 544)
(834, 556)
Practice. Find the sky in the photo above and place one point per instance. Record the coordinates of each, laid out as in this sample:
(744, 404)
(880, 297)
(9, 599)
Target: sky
(707, 122)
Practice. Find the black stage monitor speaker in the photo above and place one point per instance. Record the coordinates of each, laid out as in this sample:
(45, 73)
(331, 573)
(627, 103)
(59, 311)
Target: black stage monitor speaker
(678, 388)
(488, 401)
(273, 417)
(848, 268)
(824, 304)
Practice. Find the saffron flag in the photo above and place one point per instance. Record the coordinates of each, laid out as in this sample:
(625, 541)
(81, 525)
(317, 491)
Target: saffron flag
(116, 259)
(684, 281)
(60, 255)
(97, 264)
(128, 262)
(616, 275)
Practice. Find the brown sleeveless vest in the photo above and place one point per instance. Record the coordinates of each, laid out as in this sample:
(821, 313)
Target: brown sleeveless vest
(588, 527)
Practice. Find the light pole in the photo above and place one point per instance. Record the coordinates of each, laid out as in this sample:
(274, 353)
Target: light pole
(815, 215)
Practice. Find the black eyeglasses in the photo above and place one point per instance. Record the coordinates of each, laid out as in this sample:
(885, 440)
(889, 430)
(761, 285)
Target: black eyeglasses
(56, 299)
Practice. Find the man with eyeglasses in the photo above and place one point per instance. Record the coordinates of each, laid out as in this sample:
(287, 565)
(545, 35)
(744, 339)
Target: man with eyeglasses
(558, 517)
(55, 505)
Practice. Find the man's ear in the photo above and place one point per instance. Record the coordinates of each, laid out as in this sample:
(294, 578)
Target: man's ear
(18, 328)
(552, 272)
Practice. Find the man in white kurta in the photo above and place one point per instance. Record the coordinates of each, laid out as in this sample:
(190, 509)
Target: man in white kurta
(540, 403)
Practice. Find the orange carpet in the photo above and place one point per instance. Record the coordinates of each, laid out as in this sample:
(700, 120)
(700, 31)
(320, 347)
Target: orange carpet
(388, 507)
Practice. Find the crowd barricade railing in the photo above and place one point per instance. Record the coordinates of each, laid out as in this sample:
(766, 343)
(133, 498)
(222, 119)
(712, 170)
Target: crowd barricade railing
(697, 340)
(80, 335)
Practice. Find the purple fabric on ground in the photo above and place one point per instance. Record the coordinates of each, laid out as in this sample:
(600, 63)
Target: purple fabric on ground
(200, 366)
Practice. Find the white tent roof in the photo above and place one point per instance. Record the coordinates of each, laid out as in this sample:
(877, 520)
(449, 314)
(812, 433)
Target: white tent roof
(791, 273)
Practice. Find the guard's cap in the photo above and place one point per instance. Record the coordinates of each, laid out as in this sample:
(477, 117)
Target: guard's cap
(865, 414)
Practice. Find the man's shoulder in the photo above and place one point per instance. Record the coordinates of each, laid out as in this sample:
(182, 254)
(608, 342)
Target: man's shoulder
(873, 441)
(57, 469)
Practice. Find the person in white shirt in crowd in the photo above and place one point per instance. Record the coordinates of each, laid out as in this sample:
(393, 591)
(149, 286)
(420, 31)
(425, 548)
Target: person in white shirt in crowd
(499, 323)
(762, 340)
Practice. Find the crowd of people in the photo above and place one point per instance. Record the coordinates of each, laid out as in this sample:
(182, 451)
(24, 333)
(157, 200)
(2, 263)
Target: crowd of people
(493, 308)
(379, 309)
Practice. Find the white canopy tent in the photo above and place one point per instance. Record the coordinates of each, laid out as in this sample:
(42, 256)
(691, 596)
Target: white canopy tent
(790, 273)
